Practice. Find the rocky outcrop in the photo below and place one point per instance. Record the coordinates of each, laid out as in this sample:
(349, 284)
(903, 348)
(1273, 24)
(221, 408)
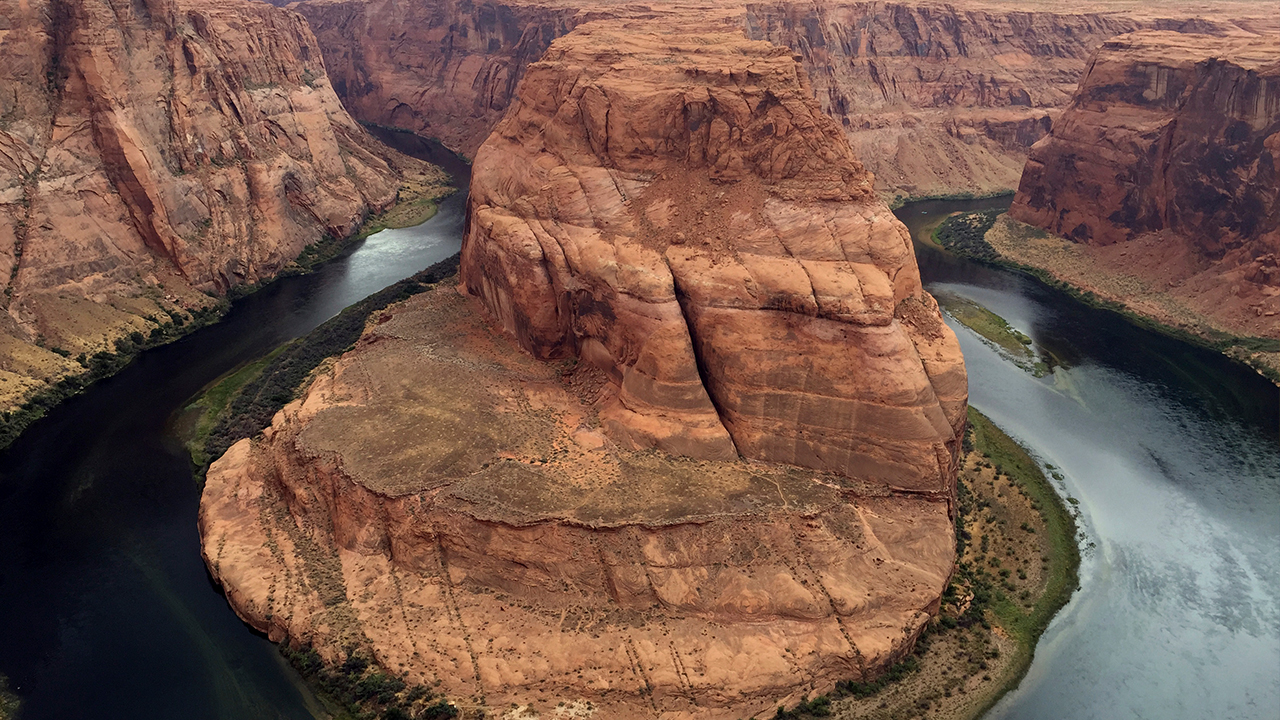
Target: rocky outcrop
(151, 151)
(699, 271)
(1170, 152)
(934, 98)
(447, 503)
(676, 210)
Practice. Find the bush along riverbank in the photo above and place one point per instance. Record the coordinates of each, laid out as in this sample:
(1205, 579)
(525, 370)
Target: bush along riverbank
(417, 203)
(1017, 561)
(105, 363)
(243, 402)
(898, 201)
(966, 234)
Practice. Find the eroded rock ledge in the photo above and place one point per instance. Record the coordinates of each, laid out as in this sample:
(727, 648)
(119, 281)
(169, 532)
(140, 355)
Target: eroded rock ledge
(449, 503)
(693, 259)
(676, 210)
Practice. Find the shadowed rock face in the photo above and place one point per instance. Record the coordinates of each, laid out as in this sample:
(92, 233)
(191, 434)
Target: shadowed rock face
(676, 210)
(446, 503)
(1176, 136)
(152, 150)
(934, 98)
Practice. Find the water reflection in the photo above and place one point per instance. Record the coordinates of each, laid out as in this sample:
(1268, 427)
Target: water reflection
(1172, 453)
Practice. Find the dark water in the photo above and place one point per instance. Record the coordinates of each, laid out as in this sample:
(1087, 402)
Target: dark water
(1172, 453)
(106, 610)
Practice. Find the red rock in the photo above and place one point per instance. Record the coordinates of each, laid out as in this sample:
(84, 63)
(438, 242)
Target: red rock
(1171, 146)
(154, 150)
(675, 210)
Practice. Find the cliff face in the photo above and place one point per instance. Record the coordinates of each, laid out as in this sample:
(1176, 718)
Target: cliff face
(692, 224)
(445, 70)
(698, 269)
(152, 150)
(938, 98)
(1171, 148)
(934, 98)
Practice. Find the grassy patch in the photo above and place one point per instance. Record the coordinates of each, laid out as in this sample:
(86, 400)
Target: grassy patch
(1238, 347)
(1017, 563)
(1062, 578)
(249, 409)
(987, 324)
(901, 200)
(8, 701)
(210, 405)
(103, 364)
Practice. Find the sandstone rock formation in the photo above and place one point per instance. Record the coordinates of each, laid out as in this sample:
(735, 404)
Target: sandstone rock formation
(934, 97)
(698, 269)
(448, 503)
(690, 222)
(1168, 162)
(149, 151)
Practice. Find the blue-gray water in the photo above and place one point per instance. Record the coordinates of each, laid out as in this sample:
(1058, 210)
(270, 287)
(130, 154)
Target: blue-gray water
(106, 610)
(1172, 452)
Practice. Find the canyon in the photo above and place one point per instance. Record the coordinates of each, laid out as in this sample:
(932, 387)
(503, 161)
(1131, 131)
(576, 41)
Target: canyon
(155, 155)
(934, 98)
(602, 475)
(1159, 184)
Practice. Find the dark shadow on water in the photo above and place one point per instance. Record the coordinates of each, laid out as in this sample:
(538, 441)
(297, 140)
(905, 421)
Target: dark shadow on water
(106, 608)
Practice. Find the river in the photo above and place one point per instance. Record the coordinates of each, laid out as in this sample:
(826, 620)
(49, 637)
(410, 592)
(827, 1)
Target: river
(106, 610)
(1172, 453)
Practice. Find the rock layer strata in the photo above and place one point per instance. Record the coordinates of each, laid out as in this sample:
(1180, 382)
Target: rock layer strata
(448, 504)
(698, 269)
(676, 210)
(153, 150)
(934, 98)
(1167, 163)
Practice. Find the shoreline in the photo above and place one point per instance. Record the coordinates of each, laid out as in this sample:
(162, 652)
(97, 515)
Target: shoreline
(15, 420)
(1243, 349)
(983, 629)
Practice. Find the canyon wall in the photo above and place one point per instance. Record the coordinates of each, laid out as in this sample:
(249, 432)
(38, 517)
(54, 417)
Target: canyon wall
(152, 152)
(698, 229)
(540, 493)
(445, 70)
(935, 98)
(1170, 151)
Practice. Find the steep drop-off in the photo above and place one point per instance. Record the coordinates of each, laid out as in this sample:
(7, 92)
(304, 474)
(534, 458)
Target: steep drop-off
(151, 151)
(935, 98)
(700, 231)
(698, 268)
(1166, 168)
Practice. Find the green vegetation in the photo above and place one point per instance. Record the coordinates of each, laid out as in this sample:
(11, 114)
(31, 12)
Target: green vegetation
(262, 393)
(355, 689)
(213, 402)
(987, 324)
(965, 234)
(957, 668)
(102, 364)
(1024, 625)
(900, 200)
(8, 701)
